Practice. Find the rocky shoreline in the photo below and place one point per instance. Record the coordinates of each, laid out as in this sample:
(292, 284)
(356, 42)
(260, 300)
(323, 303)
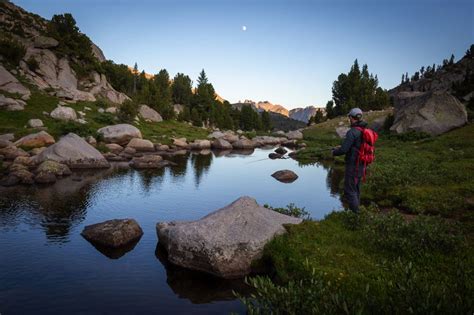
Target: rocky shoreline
(38, 159)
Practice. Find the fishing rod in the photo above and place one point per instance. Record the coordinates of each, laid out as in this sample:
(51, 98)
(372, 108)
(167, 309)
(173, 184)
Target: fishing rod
(324, 149)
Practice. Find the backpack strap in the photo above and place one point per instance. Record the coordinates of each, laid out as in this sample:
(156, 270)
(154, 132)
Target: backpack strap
(356, 175)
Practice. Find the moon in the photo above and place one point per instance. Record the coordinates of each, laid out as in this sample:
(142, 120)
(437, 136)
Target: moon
(244, 28)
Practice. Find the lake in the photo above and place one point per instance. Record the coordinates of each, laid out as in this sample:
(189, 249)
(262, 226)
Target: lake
(47, 267)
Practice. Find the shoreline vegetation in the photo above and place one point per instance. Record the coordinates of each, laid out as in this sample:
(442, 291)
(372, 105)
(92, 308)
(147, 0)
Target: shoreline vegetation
(410, 250)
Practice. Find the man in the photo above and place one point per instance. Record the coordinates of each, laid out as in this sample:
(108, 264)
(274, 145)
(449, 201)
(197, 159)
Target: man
(350, 147)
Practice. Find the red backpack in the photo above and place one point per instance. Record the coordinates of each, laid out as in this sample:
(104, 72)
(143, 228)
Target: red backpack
(367, 148)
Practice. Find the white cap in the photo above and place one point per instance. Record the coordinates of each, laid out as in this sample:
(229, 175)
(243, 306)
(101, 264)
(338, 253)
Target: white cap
(355, 112)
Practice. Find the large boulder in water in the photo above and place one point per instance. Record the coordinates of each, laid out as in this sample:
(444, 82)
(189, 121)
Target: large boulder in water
(113, 233)
(433, 112)
(121, 133)
(73, 151)
(225, 242)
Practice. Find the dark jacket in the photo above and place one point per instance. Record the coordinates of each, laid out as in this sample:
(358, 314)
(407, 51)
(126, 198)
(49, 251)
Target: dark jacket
(350, 147)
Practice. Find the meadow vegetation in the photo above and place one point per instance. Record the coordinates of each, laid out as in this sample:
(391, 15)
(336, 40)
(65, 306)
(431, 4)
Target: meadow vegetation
(410, 251)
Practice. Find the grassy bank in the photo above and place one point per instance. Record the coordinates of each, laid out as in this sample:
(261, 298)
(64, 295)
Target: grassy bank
(418, 174)
(383, 262)
(16, 122)
(374, 264)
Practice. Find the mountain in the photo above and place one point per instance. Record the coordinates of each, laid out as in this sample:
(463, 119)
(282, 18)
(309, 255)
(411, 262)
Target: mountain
(274, 108)
(300, 114)
(63, 65)
(279, 121)
(304, 114)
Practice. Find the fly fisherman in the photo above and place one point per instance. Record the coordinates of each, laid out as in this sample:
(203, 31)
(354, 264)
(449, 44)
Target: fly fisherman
(354, 169)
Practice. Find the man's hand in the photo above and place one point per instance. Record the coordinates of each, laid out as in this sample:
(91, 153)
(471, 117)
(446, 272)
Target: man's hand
(334, 149)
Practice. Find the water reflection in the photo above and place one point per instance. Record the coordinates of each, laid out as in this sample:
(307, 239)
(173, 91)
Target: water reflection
(199, 287)
(115, 253)
(199, 183)
(201, 164)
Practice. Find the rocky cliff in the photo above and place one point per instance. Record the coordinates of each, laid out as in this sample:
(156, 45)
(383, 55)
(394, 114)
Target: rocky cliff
(45, 64)
(436, 102)
(304, 114)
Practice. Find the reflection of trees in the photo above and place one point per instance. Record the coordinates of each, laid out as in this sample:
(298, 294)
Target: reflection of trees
(201, 164)
(56, 208)
(178, 170)
(199, 287)
(150, 178)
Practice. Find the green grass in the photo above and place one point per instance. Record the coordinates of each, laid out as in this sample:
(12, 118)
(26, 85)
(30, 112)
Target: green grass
(430, 175)
(371, 264)
(16, 122)
(379, 263)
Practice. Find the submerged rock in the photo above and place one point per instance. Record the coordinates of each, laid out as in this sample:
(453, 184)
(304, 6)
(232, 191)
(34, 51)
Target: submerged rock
(225, 242)
(113, 233)
(285, 176)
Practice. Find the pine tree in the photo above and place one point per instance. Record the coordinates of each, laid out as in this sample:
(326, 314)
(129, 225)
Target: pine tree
(330, 110)
(318, 117)
(356, 88)
(135, 78)
(470, 52)
(247, 118)
(451, 60)
(266, 122)
(182, 89)
(416, 76)
(403, 78)
(162, 94)
(196, 117)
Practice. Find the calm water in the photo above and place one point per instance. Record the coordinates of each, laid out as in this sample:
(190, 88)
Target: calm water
(47, 267)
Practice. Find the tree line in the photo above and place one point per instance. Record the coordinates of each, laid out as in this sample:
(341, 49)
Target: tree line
(357, 88)
(429, 71)
(200, 106)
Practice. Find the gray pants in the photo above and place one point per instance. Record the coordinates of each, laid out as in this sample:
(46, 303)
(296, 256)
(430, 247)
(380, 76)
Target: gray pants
(352, 190)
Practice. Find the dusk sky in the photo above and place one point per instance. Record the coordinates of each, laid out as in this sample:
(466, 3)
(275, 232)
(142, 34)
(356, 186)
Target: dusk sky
(290, 52)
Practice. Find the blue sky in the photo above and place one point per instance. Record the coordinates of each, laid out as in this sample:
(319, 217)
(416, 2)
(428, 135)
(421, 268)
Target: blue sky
(290, 53)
